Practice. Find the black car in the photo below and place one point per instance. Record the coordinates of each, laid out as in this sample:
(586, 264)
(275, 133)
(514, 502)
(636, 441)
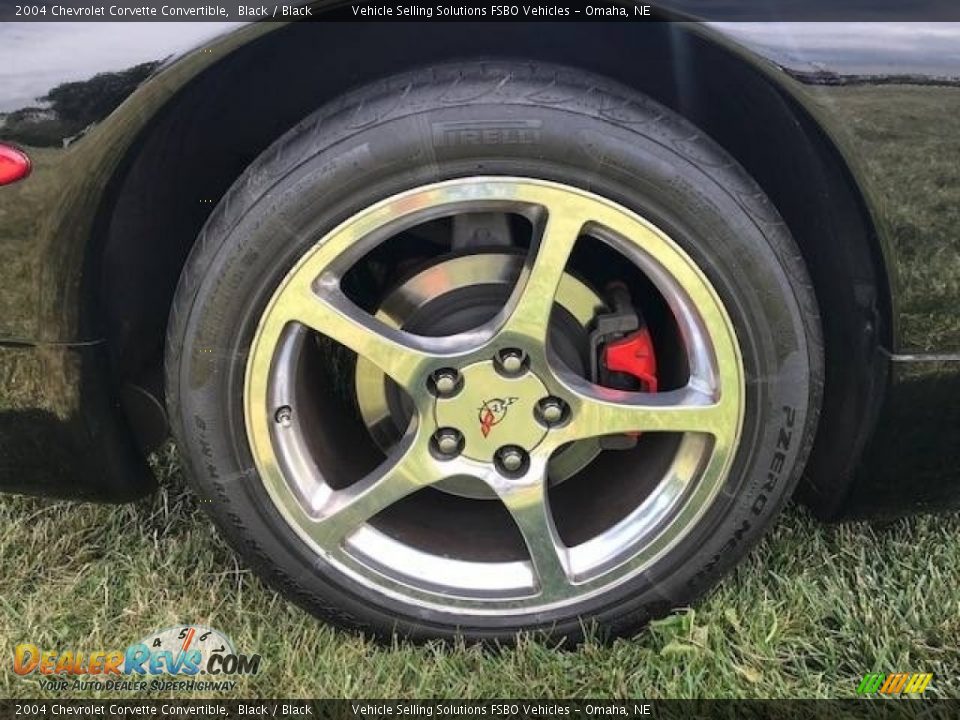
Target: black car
(476, 327)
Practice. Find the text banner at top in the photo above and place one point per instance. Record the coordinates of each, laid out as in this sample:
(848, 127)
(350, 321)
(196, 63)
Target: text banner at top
(477, 10)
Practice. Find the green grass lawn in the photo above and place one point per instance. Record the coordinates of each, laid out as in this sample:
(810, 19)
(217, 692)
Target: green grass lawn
(806, 615)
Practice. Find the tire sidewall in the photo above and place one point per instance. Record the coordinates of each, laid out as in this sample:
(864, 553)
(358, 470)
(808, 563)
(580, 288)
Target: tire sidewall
(689, 189)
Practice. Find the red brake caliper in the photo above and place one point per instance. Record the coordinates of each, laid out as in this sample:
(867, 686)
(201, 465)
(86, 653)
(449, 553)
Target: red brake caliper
(621, 354)
(633, 355)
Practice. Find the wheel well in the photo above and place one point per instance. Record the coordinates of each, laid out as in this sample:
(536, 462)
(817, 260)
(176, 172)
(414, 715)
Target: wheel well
(195, 148)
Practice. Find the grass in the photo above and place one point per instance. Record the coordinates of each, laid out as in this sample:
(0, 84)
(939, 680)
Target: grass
(810, 611)
(908, 141)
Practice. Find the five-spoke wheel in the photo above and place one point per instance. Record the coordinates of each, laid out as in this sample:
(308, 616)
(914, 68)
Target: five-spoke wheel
(494, 403)
(494, 347)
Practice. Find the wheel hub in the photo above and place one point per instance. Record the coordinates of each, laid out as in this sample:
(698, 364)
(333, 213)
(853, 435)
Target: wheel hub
(454, 295)
(492, 410)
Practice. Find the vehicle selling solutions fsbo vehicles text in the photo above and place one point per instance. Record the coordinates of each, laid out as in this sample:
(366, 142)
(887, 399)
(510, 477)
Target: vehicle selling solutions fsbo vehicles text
(496, 11)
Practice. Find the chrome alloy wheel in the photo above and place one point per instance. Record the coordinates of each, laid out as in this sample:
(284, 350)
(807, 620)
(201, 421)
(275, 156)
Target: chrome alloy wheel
(482, 407)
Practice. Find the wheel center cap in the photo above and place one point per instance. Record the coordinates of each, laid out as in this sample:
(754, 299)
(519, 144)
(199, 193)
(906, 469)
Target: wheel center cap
(492, 410)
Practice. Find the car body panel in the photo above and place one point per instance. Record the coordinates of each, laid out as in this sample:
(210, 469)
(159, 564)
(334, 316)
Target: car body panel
(888, 94)
(54, 372)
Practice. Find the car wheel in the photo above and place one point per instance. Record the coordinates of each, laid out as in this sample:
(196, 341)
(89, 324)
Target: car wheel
(491, 347)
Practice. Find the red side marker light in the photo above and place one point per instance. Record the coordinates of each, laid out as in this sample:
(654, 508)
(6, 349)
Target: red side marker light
(14, 165)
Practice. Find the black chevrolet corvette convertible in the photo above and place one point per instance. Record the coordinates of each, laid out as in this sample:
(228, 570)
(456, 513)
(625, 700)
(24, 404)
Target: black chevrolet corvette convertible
(477, 327)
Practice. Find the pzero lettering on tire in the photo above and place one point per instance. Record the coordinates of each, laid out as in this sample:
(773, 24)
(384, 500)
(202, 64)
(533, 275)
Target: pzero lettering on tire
(491, 347)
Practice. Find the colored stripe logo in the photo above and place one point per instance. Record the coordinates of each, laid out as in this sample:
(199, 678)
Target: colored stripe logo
(894, 683)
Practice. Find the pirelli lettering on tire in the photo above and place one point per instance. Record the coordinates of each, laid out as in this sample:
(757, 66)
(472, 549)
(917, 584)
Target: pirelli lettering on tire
(498, 132)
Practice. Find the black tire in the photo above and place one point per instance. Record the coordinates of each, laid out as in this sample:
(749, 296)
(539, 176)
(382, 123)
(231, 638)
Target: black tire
(537, 121)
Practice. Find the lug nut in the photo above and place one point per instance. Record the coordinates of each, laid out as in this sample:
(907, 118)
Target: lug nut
(511, 360)
(511, 459)
(446, 382)
(284, 416)
(551, 410)
(448, 441)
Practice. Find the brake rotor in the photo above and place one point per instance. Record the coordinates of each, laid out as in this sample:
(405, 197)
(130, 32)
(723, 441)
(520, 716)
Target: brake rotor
(453, 296)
